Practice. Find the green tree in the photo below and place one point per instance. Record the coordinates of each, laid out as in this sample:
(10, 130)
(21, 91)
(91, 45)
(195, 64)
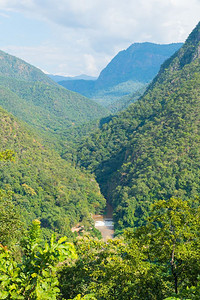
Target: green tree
(171, 240)
(155, 261)
(7, 155)
(36, 276)
(10, 223)
(110, 270)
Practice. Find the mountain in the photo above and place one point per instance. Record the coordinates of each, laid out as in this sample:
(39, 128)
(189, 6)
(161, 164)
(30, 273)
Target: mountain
(151, 150)
(58, 78)
(134, 66)
(34, 98)
(140, 62)
(43, 185)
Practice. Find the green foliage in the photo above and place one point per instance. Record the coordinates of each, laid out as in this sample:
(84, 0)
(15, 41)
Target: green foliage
(171, 239)
(11, 224)
(43, 185)
(33, 97)
(86, 297)
(49, 109)
(156, 261)
(7, 155)
(36, 276)
(186, 55)
(10, 228)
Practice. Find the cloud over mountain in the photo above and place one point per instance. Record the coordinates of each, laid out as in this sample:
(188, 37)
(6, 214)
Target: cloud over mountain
(97, 29)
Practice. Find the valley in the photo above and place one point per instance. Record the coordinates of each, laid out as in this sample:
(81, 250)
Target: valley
(100, 196)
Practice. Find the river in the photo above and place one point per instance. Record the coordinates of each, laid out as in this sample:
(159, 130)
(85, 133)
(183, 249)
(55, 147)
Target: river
(104, 223)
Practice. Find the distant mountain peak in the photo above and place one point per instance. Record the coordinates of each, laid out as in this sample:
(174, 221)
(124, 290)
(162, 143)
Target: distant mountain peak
(139, 62)
(58, 78)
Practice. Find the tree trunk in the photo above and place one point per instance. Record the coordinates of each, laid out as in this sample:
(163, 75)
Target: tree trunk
(173, 268)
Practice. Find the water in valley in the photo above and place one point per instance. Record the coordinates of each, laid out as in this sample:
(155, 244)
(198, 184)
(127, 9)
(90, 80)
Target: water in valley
(104, 223)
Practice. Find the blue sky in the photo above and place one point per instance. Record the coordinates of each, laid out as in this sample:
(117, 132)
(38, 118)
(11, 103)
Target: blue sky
(72, 37)
(20, 30)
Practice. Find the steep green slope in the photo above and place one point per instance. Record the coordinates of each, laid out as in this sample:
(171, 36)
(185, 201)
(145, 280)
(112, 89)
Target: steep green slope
(152, 150)
(47, 107)
(43, 185)
(51, 107)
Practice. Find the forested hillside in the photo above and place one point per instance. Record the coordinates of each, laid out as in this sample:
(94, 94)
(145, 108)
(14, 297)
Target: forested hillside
(151, 151)
(31, 96)
(43, 185)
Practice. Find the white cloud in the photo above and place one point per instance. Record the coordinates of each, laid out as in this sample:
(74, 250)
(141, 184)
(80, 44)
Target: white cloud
(85, 34)
(56, 60)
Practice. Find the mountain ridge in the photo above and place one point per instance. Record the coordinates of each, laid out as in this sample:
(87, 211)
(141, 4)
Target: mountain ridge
(12, 67)
(138, 64)
(58, 78)
(141, 58)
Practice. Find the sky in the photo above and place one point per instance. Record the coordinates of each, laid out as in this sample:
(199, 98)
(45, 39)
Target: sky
(73, 37)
